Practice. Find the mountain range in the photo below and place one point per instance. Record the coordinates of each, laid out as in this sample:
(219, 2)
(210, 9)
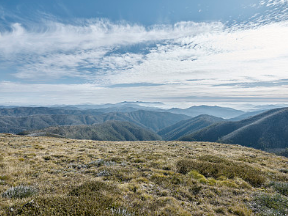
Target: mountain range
(107, 131)
(268, 130)
(223, 112)
(20, 119)
(259, 129)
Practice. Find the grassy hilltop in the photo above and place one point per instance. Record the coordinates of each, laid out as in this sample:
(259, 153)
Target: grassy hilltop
(55, 176)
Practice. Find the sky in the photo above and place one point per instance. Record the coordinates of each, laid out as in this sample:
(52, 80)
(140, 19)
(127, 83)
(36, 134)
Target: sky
(180, 53)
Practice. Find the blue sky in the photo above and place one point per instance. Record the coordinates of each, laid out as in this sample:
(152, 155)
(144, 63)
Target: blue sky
(177, 52)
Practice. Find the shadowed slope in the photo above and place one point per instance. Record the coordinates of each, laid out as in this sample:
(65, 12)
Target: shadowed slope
(186, 127)
(34, 119)
(266, 130)
(111, 131)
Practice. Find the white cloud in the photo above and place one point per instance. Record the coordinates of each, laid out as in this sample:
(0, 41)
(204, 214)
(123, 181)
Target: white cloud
(56, 49)
(243, 55)
(276, 2)
(269, 3)
(104, 53)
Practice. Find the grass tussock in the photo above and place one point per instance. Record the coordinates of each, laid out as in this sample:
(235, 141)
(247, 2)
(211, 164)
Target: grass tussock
(50, 176)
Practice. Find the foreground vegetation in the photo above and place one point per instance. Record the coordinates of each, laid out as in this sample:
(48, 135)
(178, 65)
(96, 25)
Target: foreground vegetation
(52, 176)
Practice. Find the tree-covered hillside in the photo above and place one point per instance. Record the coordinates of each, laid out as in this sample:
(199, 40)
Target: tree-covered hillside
(268, 130)
(16, 120)
(108, 131)
(186, 127)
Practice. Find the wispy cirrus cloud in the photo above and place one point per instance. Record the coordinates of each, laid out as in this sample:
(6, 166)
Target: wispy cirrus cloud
(257, 54)
(55, 49)
(273, 2)
(180, 60)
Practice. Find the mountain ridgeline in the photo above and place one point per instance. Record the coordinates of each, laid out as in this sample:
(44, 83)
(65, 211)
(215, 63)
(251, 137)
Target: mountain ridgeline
(18, 120)
(107, 131)
(30, 111)
(268, 130)
(222, 112)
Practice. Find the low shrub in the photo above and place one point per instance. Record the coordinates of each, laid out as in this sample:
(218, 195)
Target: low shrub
(280, 187)
(121, 212)
(19, 192)
(5, 177)
(196, 175)
(214, 159)
(64, 206)
(284, 152)
(92, 188)
(90, 198)
(270, 204)
(103, 173)
(212, 166)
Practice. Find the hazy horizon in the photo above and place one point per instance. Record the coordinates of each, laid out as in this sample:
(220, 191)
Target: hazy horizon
(246, 107)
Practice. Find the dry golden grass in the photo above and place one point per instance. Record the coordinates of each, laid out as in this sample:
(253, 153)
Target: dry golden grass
(74, 177)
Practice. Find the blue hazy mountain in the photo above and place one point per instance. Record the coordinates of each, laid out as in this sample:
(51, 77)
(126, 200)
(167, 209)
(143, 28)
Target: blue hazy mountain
(222, 112)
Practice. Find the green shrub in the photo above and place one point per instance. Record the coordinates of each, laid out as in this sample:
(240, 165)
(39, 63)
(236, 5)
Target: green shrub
(281, 187)
(267, 204)
(214, 159)
(284, 152)
(92, 188)
(64, 206)
(212, 166)
(4, 177)
(90, 198)
(194, 174)
(19, 192)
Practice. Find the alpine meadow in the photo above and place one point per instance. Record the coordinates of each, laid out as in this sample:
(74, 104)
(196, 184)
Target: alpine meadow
(135, 108)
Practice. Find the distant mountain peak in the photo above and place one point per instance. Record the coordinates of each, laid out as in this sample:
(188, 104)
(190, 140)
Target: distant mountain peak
(223, 112)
